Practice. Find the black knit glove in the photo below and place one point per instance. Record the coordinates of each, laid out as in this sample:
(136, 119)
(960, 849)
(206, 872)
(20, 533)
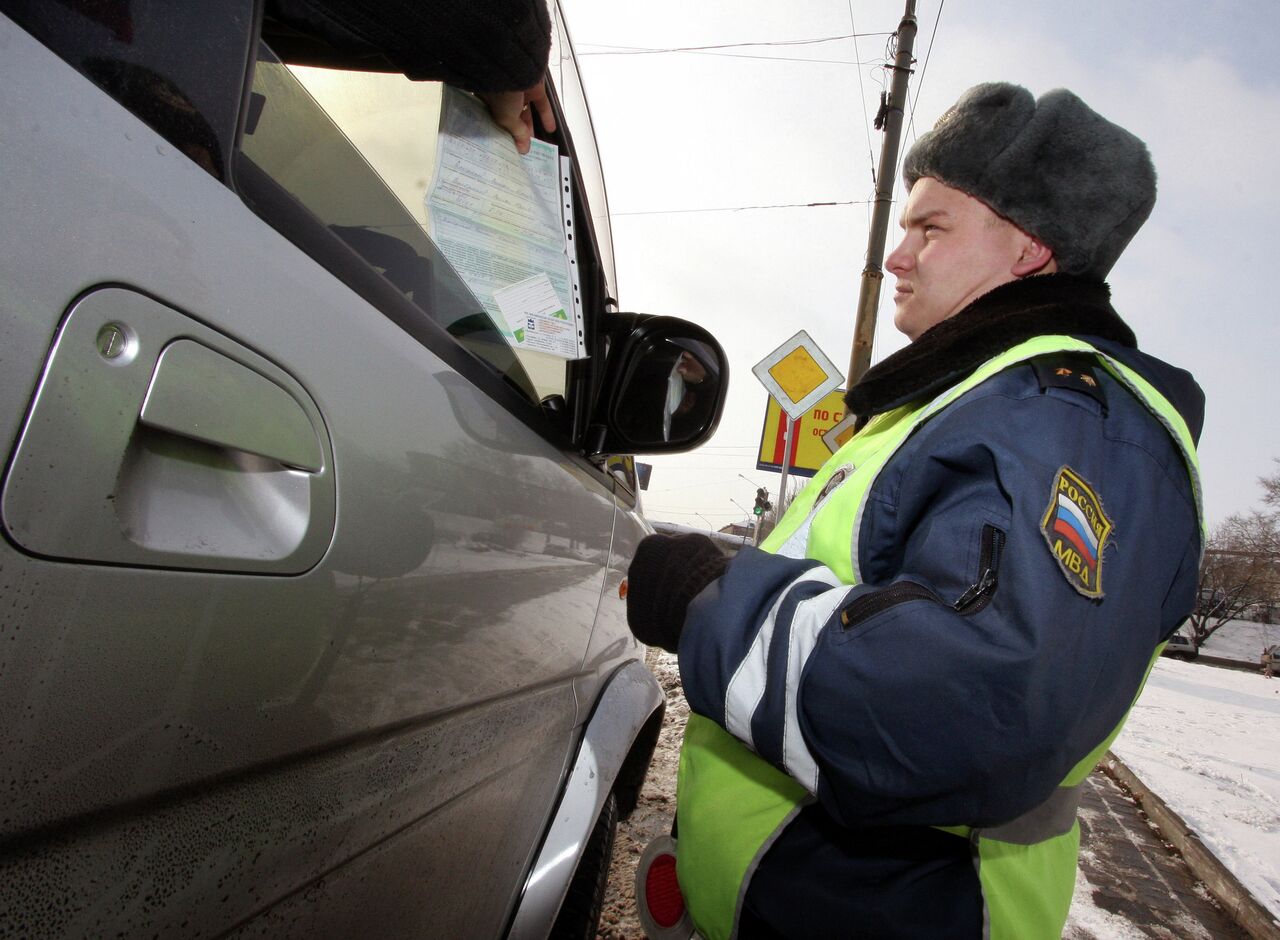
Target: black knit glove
(667, 573)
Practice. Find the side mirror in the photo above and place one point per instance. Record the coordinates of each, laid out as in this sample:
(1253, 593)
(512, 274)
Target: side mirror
(665, 387)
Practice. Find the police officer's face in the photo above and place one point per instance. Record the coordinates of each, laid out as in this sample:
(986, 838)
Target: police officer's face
(954, 250)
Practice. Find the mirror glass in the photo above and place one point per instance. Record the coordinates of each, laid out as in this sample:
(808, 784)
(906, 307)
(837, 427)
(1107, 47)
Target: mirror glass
(670, 395)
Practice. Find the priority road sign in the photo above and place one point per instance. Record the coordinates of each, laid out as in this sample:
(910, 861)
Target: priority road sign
(840, 433)
(798, 374)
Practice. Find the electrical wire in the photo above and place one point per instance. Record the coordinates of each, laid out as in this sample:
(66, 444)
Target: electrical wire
(646, 50)
(911, 121)
(720, 468)
(862, 96)
(781, 205)
(744, 55)
(690, 512)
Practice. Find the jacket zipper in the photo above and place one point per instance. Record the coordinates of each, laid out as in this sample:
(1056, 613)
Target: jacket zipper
(976, 597)
(979, 593)
(868, 605)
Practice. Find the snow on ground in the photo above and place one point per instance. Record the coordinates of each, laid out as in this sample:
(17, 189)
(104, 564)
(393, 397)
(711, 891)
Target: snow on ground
(1206, 740)
(1087, 920)
(1241, 639)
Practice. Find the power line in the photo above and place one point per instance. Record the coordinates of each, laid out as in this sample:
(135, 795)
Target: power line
(721, 467)
(672, 489)
(687, 512)
(911, 119)
(862, 96)
(647, 50)
(745, 55)
(783, 205)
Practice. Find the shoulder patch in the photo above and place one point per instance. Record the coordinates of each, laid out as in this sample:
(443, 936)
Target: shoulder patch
(1074, 372)
(1076, 530)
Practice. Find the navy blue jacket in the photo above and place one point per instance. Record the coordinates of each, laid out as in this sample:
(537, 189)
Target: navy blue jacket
(920, 715)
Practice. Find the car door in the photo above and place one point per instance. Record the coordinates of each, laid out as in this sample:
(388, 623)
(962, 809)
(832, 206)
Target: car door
(314, 679)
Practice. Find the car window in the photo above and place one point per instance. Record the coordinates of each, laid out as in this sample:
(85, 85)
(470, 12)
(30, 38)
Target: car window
(358, 149)
(178, 67)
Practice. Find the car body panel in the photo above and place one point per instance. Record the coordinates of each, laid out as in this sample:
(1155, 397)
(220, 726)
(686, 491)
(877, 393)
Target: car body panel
(629, 698)
(190, 752)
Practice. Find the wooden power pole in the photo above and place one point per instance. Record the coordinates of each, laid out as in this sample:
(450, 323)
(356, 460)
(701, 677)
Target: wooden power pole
(864, 330)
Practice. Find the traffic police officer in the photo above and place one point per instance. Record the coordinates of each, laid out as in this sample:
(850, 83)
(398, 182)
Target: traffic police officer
(896, 701)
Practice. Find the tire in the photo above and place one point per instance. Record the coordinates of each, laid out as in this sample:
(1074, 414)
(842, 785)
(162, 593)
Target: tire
(579, 916)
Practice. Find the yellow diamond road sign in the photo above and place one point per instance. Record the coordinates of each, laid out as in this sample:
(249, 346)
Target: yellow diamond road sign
(798, 374)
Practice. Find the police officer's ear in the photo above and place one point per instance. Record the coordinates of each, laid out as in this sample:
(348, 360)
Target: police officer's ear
(1035, 258)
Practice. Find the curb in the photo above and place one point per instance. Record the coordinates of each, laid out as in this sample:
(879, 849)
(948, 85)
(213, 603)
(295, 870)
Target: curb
(1225, 887)
(1223, 662)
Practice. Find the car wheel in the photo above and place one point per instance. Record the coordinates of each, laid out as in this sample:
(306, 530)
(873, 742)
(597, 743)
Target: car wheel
(579, 916)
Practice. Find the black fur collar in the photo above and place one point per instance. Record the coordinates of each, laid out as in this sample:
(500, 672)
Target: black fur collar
(1002, 318)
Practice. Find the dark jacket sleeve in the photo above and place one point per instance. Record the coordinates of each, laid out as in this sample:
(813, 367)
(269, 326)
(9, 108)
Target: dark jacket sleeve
(491, 45)
(893, 703)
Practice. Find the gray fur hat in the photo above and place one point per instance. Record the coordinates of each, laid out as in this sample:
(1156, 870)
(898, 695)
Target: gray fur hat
(1055, 168)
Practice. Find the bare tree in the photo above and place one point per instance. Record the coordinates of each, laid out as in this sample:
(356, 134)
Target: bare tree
(1241, 568)
(1271, 486)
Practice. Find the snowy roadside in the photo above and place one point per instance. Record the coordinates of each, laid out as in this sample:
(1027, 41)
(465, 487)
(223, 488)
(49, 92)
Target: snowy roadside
(653, 814)
(1207, 741)
(1242, 640)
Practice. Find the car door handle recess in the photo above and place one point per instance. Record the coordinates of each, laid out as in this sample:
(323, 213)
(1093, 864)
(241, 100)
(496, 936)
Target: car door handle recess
(198, 393)
(153, 439)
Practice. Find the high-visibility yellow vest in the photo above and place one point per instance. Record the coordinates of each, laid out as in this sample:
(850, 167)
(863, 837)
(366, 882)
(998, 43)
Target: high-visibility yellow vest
(732, 805)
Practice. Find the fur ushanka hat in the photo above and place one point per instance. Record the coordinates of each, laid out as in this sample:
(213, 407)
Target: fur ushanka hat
(1055, 168)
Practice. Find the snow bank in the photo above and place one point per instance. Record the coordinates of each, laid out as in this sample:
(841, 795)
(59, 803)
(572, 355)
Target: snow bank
(1241, 639)
(1207, 741)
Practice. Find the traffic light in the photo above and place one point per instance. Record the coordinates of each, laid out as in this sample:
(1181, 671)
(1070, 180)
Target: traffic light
(762, 502)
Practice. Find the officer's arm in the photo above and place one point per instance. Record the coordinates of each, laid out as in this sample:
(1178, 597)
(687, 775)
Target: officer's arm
(900, 703)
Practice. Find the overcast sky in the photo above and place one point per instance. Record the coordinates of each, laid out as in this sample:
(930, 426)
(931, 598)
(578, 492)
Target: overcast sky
(716, 129)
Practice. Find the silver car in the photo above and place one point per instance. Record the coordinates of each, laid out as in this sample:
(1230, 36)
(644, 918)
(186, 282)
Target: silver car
(1180, 646)
(311, 590)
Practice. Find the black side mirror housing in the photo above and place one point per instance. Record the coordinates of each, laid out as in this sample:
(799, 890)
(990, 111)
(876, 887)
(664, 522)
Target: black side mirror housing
(665, 385)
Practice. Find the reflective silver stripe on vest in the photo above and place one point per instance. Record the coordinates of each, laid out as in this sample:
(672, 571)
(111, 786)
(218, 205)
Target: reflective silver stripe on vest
(810, 617)
(1054, 817)
(743, 693)
(747, 687)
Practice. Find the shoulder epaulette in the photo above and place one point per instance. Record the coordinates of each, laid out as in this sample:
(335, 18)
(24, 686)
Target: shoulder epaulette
(1074, 371)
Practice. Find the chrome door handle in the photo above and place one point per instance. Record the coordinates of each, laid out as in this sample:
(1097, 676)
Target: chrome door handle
(156, 440)
(199, 393)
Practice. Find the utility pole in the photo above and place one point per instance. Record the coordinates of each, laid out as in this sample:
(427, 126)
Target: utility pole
(864, 330)
(786, 459)
(748, 516)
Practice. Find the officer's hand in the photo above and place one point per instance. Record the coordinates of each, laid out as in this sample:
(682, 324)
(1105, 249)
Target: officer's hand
(511, 110)
(667, 573)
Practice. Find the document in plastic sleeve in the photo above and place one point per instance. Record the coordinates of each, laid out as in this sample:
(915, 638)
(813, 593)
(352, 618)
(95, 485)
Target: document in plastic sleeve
(538, 317)
(497, 216)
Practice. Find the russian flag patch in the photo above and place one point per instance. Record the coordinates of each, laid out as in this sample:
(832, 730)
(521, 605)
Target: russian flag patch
(1076, 530)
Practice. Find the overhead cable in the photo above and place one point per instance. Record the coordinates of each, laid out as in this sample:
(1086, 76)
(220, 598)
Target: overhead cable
(646, 50)
(783, 205)
(862, 97)
(911, 118)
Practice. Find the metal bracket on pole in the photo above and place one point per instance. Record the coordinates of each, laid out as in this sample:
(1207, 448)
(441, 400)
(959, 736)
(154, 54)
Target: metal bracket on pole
(781, 506)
